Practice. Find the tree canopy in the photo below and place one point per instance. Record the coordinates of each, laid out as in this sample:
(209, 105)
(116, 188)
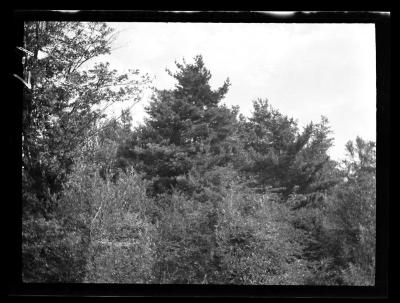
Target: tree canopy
(195, 194)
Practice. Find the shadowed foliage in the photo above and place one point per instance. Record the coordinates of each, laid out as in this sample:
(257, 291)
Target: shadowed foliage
(196, 194)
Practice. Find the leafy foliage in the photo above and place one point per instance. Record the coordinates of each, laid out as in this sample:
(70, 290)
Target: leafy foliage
(122, 238)
(256, 242)
(353, 210)
(51, 252)
(66, 101)
(195, 195)
(61, 112)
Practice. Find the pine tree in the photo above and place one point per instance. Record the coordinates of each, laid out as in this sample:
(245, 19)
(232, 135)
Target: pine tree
(278, 154)
(183, 123)
(183, 146)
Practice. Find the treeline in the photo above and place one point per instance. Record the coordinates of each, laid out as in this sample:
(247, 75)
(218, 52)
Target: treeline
(196, 194)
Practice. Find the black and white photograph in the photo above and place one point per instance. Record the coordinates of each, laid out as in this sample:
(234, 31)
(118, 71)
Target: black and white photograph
(221, 153)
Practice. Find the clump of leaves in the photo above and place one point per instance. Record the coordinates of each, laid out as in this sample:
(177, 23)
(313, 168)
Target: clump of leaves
(122, 238)
(51, 252)
(258, 247)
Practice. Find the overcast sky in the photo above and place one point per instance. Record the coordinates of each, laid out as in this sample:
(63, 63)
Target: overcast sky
(305, 70)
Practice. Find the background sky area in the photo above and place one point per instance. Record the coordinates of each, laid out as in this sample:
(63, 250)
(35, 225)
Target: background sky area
(304, 70)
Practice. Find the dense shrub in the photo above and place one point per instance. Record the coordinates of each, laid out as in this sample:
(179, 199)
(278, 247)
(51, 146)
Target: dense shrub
(256, 242)
(185, 241)
(121, 238)
(51, 252)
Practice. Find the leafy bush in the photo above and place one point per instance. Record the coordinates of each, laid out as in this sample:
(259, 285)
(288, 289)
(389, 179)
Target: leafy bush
(258, 247)
(122, 238)
(51, 252)
(185, 241)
